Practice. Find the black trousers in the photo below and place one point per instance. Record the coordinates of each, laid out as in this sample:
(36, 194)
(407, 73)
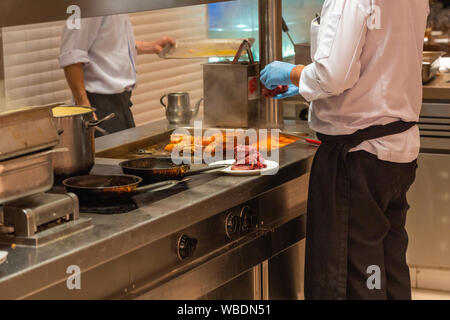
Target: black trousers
(119, 104)
(376, 228)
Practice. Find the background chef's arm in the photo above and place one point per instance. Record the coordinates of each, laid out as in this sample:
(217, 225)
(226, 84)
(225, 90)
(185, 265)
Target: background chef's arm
(148, 47)
(75, 44)
(75, 79)
(336, 66)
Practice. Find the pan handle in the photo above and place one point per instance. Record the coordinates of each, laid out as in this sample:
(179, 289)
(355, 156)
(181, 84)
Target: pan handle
(216, 167)
(158, 186)
(90, 124)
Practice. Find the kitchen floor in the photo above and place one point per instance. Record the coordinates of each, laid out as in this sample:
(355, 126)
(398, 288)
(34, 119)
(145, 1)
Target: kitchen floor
(421, 294)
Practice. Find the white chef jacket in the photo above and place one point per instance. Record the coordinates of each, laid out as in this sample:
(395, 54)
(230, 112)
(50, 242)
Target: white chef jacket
(366, 70)
(107, 47)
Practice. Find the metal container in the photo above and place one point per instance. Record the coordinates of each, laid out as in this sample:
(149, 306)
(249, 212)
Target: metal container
(26, 175)
(178, 108)
(232, 93)
(430, 64)
(25, 131)
(78, 136)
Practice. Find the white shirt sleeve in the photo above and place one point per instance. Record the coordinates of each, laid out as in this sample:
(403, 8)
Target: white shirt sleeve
(341, 37)
(75, 43)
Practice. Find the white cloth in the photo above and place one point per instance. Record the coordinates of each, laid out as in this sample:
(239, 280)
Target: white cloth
(107, 48)
(366, 70)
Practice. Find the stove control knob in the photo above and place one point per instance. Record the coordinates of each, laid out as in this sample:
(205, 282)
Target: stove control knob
(186, 247)
(249, 219)
(232, 225)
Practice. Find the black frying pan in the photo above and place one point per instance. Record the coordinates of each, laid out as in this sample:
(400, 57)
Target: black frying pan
(161, 168)
(111, 188)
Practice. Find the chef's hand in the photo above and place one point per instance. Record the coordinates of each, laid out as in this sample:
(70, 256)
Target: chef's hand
(145, 47)
(291, 91)
(162, 42)
(276, 73)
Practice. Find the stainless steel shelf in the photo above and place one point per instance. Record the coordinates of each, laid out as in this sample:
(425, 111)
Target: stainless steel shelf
(19, 12)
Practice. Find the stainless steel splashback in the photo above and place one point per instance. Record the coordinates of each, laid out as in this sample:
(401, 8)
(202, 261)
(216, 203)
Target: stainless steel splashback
(20, 12)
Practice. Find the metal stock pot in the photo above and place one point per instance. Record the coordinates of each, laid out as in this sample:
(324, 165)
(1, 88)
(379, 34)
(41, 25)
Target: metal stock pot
(77, 126)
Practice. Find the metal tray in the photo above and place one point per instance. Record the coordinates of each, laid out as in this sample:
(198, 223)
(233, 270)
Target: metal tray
(205, 48)
(26, 130)
(153, 146)
(26, 175)
(430, 64)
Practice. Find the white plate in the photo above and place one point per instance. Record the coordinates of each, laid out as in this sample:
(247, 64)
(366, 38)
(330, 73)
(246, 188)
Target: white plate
(272, 168)
(3, 256)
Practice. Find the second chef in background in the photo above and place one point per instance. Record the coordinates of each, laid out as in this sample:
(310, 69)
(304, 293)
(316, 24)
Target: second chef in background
(99, 64)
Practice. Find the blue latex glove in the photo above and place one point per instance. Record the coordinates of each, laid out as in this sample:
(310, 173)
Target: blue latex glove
(276, 73)
(292, 91)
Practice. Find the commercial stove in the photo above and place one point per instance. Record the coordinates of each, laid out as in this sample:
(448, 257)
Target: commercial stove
(214, 237)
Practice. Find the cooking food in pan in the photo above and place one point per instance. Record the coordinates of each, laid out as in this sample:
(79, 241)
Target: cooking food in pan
(111, 188)
(247, 158)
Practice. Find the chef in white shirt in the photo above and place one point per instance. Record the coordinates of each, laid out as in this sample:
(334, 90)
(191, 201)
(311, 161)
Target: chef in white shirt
(365, 89)
(99, 64)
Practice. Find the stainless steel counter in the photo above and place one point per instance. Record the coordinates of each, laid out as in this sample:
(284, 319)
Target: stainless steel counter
(438, 88)
(28, 271)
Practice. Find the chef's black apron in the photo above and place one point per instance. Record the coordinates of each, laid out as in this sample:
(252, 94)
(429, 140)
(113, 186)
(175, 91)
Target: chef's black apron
(119, 104)
(331, 267)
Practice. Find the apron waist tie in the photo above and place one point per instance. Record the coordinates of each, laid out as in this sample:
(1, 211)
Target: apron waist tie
(370, 133)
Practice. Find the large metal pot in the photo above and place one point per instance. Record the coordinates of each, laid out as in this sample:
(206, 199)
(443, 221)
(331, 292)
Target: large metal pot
(77, 134)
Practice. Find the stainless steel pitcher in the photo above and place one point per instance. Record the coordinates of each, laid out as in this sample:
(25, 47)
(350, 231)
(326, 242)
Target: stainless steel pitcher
(178, 108)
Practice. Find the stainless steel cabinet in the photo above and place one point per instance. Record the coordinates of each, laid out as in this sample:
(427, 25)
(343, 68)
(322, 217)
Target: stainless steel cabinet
(428, 222)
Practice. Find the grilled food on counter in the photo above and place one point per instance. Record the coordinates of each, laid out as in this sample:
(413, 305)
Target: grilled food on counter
(225, 142)
(188, 143)
(248, 158)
